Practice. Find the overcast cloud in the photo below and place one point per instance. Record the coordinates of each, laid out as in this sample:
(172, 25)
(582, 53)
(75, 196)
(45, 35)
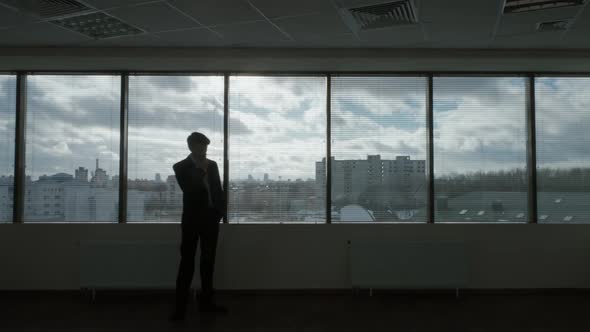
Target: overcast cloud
(7, 118)
(278, 124)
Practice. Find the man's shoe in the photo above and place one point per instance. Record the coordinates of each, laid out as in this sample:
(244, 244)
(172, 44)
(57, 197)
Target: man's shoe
(212, 307)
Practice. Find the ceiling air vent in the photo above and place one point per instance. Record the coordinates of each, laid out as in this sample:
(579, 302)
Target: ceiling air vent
(382, 15)
(519, 6)
(49, 8)
(98, 26)
(553, 25)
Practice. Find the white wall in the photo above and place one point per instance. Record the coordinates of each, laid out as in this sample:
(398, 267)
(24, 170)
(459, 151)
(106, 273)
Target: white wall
(44, 256)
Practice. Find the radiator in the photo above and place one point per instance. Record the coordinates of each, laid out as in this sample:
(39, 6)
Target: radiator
(129, 264)
(406, 265)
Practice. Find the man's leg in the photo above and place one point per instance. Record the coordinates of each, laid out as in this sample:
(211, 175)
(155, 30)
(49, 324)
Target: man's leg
(209, 233)
(186, 269)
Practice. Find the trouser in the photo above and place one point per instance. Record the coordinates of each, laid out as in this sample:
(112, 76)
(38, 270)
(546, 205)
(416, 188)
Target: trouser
(205, 228)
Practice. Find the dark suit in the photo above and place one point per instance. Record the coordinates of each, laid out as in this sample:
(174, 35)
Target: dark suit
(200, 219)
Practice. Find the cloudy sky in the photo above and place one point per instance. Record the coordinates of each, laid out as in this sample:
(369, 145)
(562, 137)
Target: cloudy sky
(563, 122)
(278, 124)
(479, 124)
(7, 106)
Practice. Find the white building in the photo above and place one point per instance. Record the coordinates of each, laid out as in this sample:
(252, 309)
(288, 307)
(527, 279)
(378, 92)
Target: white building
(6, 201)
(350, 178)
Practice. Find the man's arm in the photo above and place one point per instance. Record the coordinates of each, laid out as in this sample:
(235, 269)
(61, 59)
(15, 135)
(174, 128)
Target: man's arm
(188, 180)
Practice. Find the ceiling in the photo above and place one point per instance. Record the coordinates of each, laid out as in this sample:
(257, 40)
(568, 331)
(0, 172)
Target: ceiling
(463, 24)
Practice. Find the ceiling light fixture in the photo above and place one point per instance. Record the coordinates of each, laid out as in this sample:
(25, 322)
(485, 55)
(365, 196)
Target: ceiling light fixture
(380, 15)
(98, 26)
(519, 6)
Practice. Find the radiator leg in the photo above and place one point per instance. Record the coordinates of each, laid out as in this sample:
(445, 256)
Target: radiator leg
(456, 293)
(93, 294)
(370, 291)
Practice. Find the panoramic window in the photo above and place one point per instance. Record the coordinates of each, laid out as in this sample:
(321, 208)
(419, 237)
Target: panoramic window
(480, 149)
(163, 111)
(7, 130)
(72, 148)
(277, 135)
(378, 148)
(563, 149)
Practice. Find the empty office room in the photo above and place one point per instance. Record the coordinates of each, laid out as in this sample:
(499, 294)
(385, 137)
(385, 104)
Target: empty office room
(282, 165)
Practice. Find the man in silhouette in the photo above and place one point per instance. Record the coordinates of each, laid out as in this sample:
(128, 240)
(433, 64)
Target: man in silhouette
(203, 206)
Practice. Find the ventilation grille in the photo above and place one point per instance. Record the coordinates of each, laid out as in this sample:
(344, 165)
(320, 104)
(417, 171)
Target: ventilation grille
(553, 25)
(519, 6)
(98, 26)
(384, 15)
(49, 8)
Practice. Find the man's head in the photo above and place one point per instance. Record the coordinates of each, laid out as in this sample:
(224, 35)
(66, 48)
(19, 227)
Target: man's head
(197, 143)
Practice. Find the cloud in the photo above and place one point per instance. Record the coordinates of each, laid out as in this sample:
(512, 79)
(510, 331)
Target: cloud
(278, 124)
(7, 123)
(82, 114)
(485, 129)
(563, 122)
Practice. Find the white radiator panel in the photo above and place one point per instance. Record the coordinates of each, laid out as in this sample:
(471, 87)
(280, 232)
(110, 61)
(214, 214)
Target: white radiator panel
(418, 265)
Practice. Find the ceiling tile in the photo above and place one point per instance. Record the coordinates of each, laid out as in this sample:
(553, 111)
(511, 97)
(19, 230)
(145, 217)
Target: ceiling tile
(40, 34)
(576, 38)
(392, 37)
(346, 40)
(312, 26)
(251, 33)
(105, 4)
(154, 17)
(548, 39)
(449, 10)
(454, 43)
(216, 12)
(465, 29)
(275, 9)
(583, 19)
(145, 40)
(201, 37)
(358, 3)
(9, 18)
(515, 24)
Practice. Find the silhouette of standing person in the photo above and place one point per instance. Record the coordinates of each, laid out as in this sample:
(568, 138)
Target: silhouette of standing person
(203, 206)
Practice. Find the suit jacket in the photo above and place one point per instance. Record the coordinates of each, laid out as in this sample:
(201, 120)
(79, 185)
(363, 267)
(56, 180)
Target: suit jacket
(195, 200)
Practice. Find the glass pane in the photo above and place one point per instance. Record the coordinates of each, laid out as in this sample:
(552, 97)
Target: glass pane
(72, 148)
(379, 149)
(277, 135)
(7, 130)
(163, 111)
(480, 149)
(563, 149)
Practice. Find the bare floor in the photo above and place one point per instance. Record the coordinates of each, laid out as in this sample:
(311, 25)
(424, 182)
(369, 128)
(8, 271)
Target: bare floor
(148, 311)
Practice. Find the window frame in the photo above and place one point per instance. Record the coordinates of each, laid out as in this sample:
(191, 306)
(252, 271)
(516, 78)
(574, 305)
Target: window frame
(21, 112)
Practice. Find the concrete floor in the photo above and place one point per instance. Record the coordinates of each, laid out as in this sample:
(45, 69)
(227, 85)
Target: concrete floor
(277, 312)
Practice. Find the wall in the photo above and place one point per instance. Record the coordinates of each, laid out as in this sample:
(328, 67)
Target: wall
(43, 256)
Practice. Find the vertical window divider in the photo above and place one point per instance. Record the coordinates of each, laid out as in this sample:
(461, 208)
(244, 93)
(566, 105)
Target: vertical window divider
(531, 150)
(18, 209)
(226, 144)
(123, 147)
(430, 150)
(328, 148)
